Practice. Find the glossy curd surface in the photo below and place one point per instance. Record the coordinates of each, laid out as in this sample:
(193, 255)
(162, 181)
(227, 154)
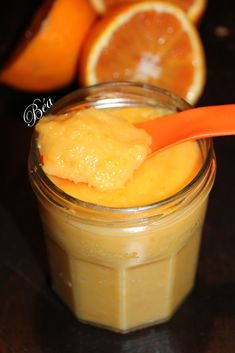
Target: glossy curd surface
(101, 157)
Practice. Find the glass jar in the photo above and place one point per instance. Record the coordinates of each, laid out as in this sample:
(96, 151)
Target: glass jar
(123, 268)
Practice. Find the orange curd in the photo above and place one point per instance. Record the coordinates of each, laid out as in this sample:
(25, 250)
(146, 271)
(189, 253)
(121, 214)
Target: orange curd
(123, 225)
(101, 157)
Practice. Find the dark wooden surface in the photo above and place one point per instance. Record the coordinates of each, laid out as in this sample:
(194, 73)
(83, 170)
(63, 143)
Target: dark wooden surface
(32, 318)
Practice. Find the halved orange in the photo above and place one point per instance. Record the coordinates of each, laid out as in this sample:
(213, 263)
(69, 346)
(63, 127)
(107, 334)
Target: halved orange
(193, 8)
(152, 42)
(47, 55)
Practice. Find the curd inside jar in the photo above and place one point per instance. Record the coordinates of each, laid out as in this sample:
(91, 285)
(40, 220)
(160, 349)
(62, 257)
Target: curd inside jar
(124, 257)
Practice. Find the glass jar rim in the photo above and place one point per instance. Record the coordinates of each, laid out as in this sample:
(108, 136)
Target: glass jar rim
(36, 169)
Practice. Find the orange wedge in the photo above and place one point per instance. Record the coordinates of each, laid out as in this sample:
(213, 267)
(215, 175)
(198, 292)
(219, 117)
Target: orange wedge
(47, 56)
(150, 41)
(193, 8)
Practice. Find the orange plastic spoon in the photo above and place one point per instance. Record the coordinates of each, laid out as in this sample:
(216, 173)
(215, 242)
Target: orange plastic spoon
(190, 124)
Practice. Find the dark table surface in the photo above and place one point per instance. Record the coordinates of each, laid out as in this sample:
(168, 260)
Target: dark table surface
(32, 318)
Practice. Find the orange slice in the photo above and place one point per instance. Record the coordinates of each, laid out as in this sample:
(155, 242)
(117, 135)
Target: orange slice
(193, 8)
(152, 42)
(47, 55)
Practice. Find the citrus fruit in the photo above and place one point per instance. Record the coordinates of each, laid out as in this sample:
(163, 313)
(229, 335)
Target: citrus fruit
(46, 58)
(193, 8)
(152, 42)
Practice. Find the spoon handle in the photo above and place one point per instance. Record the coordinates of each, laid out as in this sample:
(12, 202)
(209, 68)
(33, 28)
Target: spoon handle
(190, 124)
